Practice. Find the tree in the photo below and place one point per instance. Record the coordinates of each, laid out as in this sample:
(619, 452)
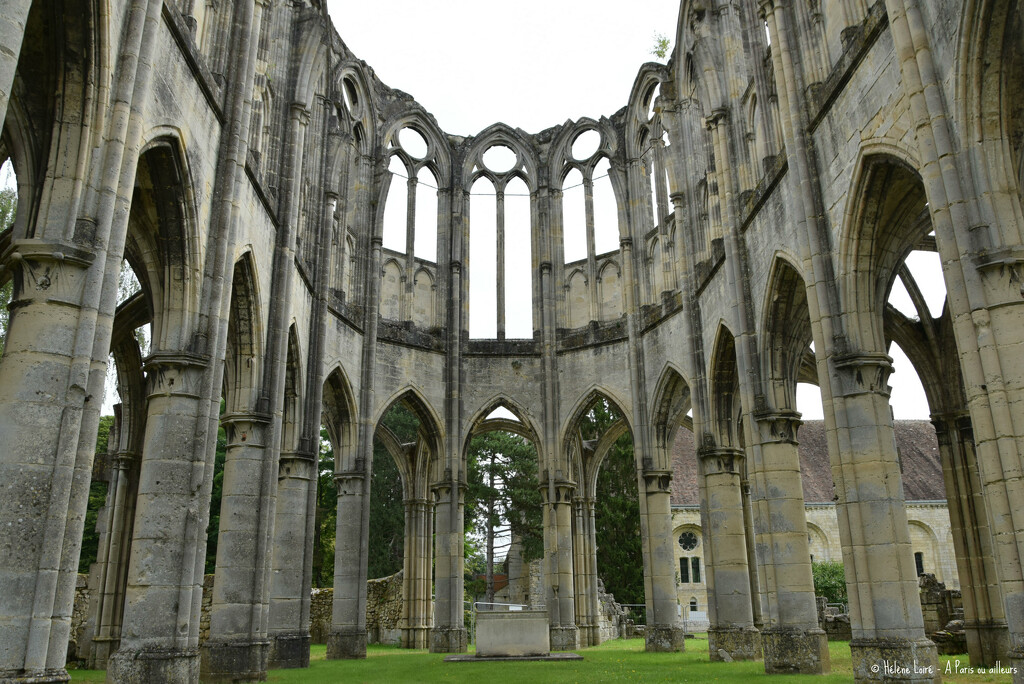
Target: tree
(97, 499)
(661, 45)
(8, 210)
(502, 497)
(326, 515)
(829, 580)
(616, 510)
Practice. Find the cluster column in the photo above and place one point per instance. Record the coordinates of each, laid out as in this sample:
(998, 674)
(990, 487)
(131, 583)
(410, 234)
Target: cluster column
(663, 633)
(449, 634)
(561, 600)
(416, 594)
(347, 636)
(732, 632)
(792, 640)
(289, 595)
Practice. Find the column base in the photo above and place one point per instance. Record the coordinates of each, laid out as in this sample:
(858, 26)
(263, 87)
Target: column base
(234, 661)
(449, 640)
(734, 643)
(895, 659)
(415, 637)
(100, 651)
(795, 651)
(590, 635)
(346, 644)
(664, 639)
(288, 651)
(987, 644)
(34, 677)
(565, 638)
(129, 666)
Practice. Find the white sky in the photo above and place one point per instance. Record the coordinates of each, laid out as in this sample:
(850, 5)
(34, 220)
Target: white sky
(529, 64)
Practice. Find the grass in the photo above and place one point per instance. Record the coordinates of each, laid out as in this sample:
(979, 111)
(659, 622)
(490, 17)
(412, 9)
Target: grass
(612, 661)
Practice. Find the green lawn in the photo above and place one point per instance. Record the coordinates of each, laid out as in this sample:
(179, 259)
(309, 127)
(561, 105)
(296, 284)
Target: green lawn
(612, 661)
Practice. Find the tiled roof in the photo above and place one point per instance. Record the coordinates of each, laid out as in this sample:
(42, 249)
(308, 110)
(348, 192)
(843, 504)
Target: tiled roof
(915, 439)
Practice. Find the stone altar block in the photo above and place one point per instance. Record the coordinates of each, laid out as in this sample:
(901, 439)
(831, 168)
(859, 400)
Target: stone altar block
(514, 633)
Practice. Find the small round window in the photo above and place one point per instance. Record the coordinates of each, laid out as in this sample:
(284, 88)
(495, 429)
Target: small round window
(688, 540)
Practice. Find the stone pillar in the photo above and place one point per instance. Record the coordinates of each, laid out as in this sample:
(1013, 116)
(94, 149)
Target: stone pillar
(881, 579)
(664, 634)
(40, 413)
(416, 594)
(984, 619)
(561, 601)
(13, 18)
(112, 563)
(236, 650)
(289, 591)
(730, 611)
(160, 629)
(449, 634)
(792, 640)
(586, 585)
(347, 636)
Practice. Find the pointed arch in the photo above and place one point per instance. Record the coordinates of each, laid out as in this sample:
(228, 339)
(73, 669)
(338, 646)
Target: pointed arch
(526, 166)
(785, 331)
(525, 428)
(242, 363)
(291, 415)
(339, 417)
(723, 378)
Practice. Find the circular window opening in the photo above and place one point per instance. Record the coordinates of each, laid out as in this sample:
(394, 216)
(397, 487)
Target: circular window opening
(585, 145)
(688, 540)
(499, 159)
(412, 142)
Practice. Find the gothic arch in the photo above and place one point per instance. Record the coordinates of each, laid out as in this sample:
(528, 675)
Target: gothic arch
(242, 367)
(786, 331)
(526, 427)
(723, 378)
(339, 416)
(670, 403)
(526, 165)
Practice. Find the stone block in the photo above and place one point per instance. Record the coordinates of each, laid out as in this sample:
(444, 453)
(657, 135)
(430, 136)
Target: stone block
(516, 633)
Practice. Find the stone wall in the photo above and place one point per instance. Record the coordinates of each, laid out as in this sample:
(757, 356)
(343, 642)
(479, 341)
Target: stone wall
(79, 614)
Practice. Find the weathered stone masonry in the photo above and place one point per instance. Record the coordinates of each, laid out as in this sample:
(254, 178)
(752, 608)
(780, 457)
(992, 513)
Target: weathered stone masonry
(768, 184)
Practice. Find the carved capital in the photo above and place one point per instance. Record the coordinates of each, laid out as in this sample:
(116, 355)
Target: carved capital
(862, 373)
(718, 116)
(657, 481)
(178, 374)
(778, 426)
(48, 272)
(349, 482)
(716, 459)
(246, 429)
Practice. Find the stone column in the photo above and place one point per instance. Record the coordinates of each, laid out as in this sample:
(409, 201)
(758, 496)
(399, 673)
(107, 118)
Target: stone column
(42, 405)
(585, 588)
(664, 634)
(881, 579)
(416, 585)
(160, 628)
(792, 640)
(235, 650)
(448, 634)
(347, 636)
(13, 18)
(112, 563)
(730, 612)
(984, 619)
(289, 595)
(561, 601)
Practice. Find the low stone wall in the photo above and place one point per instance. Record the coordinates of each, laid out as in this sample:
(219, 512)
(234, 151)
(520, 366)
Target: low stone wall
(79, 614)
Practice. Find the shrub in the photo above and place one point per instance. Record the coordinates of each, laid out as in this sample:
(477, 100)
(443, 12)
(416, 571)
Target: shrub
(829, 580)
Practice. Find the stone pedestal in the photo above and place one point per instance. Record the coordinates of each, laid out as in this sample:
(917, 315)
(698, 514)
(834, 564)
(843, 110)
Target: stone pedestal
(346, 644)
(129, 666)
(788, 651)
(449, 640)
(234, 661)
(671, 639)
(288, 651)
(895, 659)
(739, 643)
(565, 638)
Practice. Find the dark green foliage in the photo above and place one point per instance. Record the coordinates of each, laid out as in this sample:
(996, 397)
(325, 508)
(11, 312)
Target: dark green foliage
(8, 209)
(829, 580)
(326, 525)
(387, 508)
(97, 499)
(213, 529)
(617, 511)
(511, 463)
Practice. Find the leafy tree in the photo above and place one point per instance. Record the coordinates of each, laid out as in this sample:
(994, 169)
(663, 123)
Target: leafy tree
(829, 580)
(326, 520)
(386, 548)
(502, 498)
(661, 45)
(213, 529)
(617, 511)
(97, 499)
(8, 209)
